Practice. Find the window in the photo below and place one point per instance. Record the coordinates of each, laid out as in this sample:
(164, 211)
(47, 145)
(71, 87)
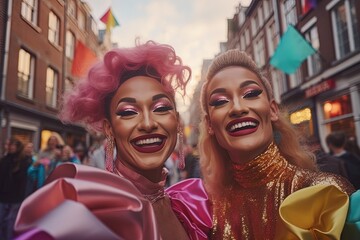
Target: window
(247, 37)
(94, 27)
(259, 51)
(72, 9)
(54, 29)
(345, 28)
(29, 10)
(51, 87)
(255, 24)
(26, 69)
(261, 16)
(70, 44)
(267, 8)
(279, 84)
(242, 42)
(81, 20)
(273, 38)
(313, 61)
(289, 7)
(295, 79)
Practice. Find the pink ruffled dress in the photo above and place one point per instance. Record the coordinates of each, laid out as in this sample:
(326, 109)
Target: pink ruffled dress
(81, 202)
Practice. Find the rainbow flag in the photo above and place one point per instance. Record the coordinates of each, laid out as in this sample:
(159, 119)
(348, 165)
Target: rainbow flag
(109, 20)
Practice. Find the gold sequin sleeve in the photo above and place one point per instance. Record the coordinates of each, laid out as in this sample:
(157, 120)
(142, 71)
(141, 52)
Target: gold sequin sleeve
(322, 178)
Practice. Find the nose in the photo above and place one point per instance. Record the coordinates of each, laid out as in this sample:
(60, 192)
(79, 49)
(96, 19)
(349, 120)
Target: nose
(238, 109)
(147, 124)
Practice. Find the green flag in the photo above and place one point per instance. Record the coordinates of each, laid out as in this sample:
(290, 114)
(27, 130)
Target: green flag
(292, 50)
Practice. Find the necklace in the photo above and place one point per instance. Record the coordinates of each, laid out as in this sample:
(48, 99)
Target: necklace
(152, 197)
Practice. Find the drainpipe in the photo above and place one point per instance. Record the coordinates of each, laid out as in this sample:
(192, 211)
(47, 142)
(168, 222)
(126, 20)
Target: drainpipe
(6, 50)
(4, 73)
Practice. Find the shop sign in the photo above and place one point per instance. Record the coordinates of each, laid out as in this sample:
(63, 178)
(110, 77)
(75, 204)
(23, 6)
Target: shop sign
(319, 88)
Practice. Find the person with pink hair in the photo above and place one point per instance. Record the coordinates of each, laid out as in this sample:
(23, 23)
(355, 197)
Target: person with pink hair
(130, 98)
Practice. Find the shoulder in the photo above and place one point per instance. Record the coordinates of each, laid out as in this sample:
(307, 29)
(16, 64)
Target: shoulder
(314, 178)
(191, 204)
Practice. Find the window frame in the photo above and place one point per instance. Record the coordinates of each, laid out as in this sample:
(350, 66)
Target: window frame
(54, 34)
(51, 101)
(29, 91)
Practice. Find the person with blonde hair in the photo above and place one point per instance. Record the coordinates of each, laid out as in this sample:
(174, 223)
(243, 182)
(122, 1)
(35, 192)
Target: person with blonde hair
(251, 156)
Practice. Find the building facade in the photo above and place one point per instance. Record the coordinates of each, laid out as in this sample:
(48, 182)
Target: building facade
(323, 95)
(40, 40)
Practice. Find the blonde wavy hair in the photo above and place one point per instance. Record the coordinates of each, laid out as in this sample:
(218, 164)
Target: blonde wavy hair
(214, 160)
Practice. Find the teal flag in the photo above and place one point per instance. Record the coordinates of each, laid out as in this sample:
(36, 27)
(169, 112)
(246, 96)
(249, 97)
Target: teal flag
(292, 50)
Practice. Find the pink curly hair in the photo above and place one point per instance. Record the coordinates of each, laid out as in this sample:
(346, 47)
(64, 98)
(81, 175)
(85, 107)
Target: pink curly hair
(88, 102)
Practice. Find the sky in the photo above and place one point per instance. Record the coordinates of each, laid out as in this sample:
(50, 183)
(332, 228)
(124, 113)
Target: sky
(194, 28)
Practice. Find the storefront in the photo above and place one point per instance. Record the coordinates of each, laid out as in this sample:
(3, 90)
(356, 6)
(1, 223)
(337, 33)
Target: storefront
(337, 107)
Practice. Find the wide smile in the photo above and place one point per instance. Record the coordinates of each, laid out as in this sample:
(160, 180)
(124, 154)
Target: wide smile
(149, 143)
(240, 127)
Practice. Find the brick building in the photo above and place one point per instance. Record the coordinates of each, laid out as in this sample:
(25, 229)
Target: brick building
(37, 40)
(324, 94)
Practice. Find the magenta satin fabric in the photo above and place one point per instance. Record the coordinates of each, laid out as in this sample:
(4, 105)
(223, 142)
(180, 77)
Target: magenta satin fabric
(192, 206)
(81, 202)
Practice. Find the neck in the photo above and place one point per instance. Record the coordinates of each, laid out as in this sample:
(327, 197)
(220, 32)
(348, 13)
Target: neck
(247, 156)
(153, 175)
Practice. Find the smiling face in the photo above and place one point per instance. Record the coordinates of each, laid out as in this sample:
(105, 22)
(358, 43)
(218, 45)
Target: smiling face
(143, 122)
(240, 113)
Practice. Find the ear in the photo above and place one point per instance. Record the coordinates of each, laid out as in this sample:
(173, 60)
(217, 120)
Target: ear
(107, 128)
(208, 125)
(274, 111)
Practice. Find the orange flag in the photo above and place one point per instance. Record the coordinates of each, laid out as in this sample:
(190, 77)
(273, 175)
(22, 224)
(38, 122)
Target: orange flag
(84, 58)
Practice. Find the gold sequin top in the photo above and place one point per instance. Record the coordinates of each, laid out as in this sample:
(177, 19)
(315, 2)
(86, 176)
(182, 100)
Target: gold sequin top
(249, 208)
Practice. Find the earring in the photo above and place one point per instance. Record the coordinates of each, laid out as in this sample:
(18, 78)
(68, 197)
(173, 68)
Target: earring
(210, 131)
(109, 154)
(181, 164)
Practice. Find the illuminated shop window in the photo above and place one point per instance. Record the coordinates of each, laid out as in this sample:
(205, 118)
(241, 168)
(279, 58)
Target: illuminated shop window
(300, 116)
(337, 107)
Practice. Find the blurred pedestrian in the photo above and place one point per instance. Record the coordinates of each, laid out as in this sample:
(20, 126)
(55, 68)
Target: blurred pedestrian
(192, 163)
(326, 162)
(13, 179)
(336, 142)
(67, 155)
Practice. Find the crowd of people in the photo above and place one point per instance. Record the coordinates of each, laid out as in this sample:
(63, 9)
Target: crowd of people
(248, 177)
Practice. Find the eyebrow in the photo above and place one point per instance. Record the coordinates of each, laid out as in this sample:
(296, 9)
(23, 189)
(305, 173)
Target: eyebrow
(242, 85)
(127, 99)
(133, 100)
(158, 96)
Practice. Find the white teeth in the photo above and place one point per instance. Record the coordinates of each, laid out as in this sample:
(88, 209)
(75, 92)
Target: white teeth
(242, 124)
(148, 141)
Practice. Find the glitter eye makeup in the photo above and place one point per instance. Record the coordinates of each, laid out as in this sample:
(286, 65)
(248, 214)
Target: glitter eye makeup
(163, 105)
(127, 111)
(216, 101)
(252, 93)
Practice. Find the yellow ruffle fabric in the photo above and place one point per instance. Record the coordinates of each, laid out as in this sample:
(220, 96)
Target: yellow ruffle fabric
(317, 212)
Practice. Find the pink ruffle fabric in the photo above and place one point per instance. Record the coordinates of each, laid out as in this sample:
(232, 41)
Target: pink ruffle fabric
(191, 204)
(81, 202)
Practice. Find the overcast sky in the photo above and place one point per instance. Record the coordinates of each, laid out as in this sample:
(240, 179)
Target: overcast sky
(194, 28)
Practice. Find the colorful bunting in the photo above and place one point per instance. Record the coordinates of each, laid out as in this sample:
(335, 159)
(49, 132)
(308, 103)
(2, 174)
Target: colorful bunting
(84, 58)
(109, 20)
(307, 5)
(292, 50)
